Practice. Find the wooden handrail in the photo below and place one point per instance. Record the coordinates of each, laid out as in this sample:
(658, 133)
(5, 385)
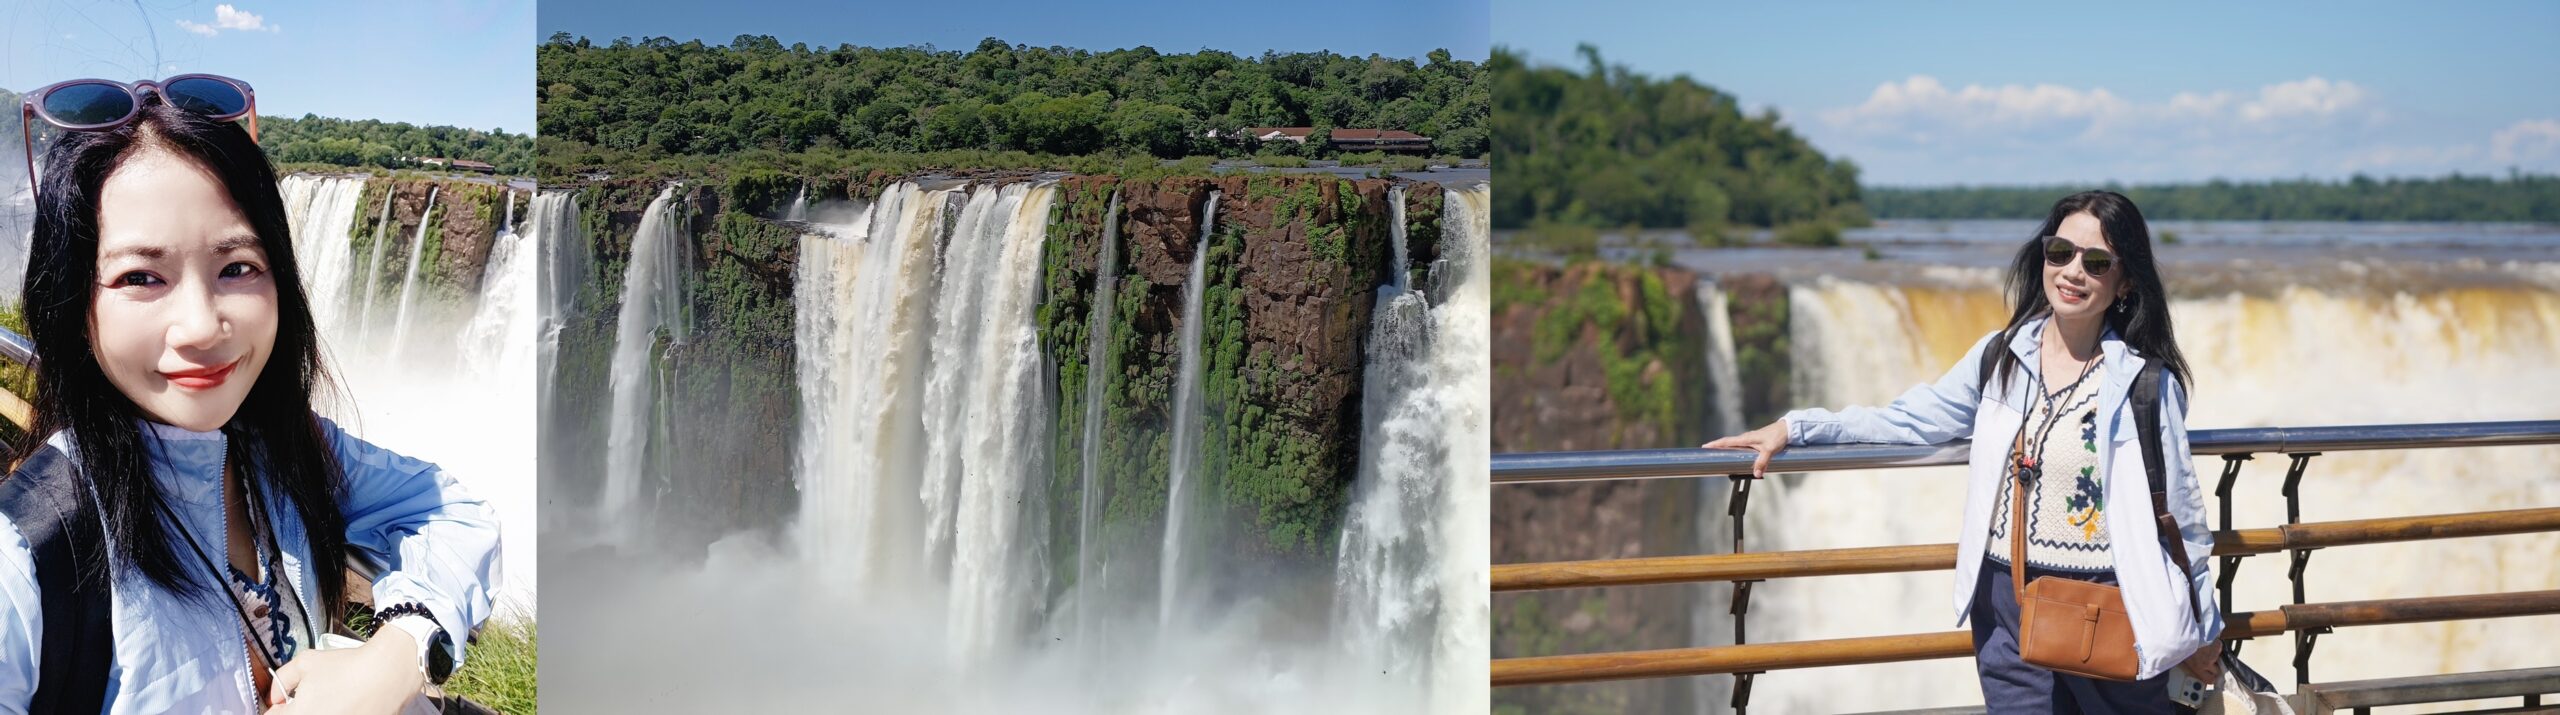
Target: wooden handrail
(1930, 557)
(17, 410)
(1761, 657)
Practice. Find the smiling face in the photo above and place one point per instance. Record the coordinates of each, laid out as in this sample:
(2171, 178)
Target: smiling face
(183, 315)
(2075, 294)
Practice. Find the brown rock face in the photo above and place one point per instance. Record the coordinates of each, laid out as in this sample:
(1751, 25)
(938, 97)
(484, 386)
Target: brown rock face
(1557, 333)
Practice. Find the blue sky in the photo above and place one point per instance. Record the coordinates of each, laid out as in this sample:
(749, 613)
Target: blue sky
(2006, 93)
(1408, 29)
(465, 63)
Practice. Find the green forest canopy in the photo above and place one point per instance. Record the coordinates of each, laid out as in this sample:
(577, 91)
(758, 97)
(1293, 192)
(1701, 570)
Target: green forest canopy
(388, 145)
(2517, 197)
(668, 98)
(366, 143)
(1607, 147)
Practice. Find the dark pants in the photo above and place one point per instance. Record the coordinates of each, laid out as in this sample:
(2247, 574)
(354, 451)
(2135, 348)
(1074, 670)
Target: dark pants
(2012, 687)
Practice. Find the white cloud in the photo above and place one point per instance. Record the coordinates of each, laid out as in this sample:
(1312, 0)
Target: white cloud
(1921, 130)
(226, 17)
(2307, 97)
(1923, 99)
(2531, 140)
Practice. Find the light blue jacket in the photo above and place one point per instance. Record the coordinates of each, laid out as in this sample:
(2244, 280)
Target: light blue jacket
(1955, 408)
(436, 544)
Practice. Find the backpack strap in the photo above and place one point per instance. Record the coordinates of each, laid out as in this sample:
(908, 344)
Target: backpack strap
(51, 507)
(2155, 467)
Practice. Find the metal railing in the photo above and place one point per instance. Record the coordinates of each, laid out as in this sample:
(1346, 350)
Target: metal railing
(1742, 568)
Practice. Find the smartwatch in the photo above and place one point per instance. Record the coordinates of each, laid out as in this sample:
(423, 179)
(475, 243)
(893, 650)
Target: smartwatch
(435, 648)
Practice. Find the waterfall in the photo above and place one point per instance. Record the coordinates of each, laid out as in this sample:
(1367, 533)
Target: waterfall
(320, 212)
(1187, 414)
(652, 298)
(409, 280)
(498, 343)
(865, 292)
(1412, 598)
(2322, 346)
(1004, 440)
(486, 383)
(1401, 277)
(1724, 378)
(799, 210)
(968, 262)
(1097, 353)
(373, 267)
(982, 411)
(563, 245)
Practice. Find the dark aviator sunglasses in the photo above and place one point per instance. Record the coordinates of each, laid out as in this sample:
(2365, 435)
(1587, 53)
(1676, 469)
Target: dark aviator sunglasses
(2058, 252)
(88, 105)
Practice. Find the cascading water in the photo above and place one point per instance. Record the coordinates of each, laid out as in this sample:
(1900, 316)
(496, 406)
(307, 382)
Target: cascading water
(968, 261)
(1401, 275)
(863, 355)
(1187, 416)
(563, 244)
(1412, 597)
(499, 340)
(373, 267)
(929, 544)
(2267, 351)
(1097, 355)
(409, 279)
(321, 211)
(1002, 436)
(1723, 371)
(799, 210)
(485, 382)
(652, 299)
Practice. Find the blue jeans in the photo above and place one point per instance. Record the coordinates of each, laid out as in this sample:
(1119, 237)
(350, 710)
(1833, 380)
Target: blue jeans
(2012, 687)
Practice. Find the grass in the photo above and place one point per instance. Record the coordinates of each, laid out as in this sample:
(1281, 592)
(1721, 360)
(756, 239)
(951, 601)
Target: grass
(499, 669)
(498, 665)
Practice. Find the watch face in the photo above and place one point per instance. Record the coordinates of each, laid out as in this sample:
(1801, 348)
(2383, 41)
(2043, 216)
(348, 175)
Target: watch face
(439, 657)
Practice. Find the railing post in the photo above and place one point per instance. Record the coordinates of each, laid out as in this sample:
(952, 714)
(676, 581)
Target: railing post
(1734, 509)
(2306, 639)
(2230, 564)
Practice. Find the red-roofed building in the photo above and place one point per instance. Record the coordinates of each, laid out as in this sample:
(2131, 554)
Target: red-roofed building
(1389, 140)
(1392, 140)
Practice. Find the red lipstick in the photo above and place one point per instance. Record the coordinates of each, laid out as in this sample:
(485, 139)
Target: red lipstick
(205, 379)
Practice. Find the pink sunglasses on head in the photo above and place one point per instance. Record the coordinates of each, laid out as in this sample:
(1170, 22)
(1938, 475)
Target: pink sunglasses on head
(88, 105)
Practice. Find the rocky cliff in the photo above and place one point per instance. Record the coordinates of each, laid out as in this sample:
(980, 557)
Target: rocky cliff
(1293, 270)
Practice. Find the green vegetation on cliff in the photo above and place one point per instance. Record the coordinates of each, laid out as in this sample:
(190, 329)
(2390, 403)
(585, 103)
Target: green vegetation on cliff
(1626, 321)
(661, 97)
(1291, 271)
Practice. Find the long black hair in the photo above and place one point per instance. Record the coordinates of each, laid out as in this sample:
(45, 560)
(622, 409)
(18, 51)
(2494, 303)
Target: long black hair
(275, 439)
(2143, 321)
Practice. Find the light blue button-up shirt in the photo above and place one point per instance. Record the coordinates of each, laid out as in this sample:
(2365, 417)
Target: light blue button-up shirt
(1956, 407)
(437, 545)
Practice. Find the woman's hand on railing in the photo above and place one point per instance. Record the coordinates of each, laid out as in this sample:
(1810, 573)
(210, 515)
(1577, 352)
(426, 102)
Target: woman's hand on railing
(1768, 441)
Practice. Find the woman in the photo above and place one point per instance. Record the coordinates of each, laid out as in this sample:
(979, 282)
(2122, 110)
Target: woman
(2089, 312)
(173, 401)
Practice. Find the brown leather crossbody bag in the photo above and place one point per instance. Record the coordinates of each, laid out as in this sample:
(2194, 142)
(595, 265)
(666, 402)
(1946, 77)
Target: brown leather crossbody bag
(2078, 627)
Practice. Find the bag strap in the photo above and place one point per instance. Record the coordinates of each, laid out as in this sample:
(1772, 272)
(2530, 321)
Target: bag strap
(2017, 516)
(49, 503)
(2146, 393)
(2155, 467)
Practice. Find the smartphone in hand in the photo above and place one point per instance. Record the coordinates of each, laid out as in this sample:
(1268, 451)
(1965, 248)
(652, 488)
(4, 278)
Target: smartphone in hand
(2185, 688)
